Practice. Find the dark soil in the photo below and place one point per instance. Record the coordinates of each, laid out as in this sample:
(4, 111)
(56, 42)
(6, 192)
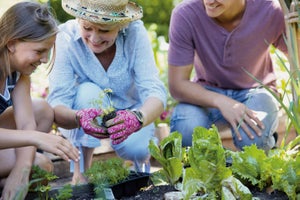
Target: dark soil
(108, 116)
(157, 193)
(151, 192)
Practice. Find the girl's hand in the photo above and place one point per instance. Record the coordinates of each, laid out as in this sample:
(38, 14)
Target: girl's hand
(16, 183)
(57, 145)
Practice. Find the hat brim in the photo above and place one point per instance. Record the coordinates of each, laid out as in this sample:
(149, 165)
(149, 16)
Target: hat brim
(133, 12)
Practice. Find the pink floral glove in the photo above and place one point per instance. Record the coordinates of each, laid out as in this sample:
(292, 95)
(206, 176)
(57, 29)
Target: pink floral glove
(87, 120)
(124, 124)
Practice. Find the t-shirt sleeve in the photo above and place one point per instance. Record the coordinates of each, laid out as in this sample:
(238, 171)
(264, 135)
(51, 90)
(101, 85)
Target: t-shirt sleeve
(181, 45)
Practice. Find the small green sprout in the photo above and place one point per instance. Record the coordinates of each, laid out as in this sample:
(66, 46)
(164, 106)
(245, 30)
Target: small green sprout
(99, 102)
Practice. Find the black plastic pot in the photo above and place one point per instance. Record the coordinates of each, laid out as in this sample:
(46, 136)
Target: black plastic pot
(130, 186)
(127, 188)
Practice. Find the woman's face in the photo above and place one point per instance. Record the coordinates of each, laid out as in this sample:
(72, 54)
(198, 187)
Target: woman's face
(25, 56)
(98, 37)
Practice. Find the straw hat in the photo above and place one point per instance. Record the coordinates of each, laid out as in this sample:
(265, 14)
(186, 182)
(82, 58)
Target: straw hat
(103, 11)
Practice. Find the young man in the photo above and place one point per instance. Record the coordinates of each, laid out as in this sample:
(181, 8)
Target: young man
(224, 41)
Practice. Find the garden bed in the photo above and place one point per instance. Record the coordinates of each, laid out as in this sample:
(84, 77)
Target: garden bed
(86, 192)
(158, 192)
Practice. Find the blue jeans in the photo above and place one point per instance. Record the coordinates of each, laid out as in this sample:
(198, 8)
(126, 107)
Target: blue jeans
(186, 117)
(134, 148)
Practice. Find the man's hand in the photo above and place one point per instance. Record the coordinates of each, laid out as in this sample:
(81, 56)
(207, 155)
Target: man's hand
(239, 116)
(87, 120)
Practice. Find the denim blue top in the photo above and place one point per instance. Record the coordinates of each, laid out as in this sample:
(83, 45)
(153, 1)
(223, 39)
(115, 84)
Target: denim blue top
(132, 75)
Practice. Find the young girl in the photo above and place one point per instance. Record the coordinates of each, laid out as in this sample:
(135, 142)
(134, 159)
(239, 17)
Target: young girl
(27, 34)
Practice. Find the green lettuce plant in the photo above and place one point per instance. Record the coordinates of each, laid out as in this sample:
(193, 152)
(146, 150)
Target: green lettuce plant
(208, 175)
(169, 153)
(279, 169)
(199, 171)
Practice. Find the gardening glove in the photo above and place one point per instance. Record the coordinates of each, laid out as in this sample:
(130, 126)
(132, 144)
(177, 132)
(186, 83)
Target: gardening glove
(124, 124)
(87, 120)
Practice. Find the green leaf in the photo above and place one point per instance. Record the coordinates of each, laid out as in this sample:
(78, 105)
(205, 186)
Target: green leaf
(192, 184)
(169, 154)
(236, 188)
(248, 164)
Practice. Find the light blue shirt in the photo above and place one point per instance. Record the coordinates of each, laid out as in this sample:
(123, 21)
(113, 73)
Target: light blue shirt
(132, 75)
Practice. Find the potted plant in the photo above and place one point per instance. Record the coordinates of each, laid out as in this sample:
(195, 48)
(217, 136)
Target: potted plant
(112, 179)
(108, 179)
(108, 109)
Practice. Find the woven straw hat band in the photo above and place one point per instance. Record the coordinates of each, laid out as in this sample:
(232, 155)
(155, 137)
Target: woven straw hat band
(105, 6)
(104, 11)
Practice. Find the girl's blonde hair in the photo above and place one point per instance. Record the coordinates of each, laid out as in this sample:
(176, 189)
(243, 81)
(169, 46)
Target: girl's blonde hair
(24, 21)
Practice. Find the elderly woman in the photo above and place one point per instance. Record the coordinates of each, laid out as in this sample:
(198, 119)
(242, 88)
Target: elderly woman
(106, 47)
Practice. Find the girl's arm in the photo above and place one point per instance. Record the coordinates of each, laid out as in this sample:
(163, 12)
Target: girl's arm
(24, 119)
(47, 142)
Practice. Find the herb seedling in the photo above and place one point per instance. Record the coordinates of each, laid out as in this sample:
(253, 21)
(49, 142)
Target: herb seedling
(106, 106)
(107, 173)
(41, 186)
(65, 192)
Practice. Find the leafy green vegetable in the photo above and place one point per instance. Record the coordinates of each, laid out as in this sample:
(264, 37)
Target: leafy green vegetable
(204, 174)
(169, 155)
(248, 164)
(208, 173)
(279, 169)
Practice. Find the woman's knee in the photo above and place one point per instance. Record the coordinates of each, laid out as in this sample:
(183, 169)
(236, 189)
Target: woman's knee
(9, 156)
(135, 147)
(44, 115)
(43, 162)
(86, 95)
